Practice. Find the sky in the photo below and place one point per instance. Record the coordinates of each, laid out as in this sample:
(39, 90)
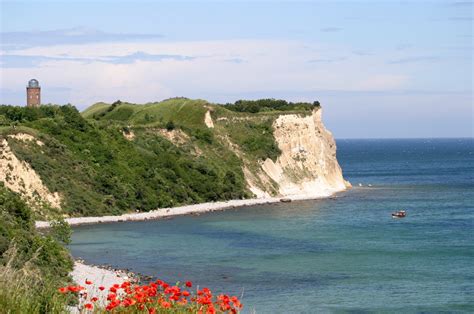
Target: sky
(381, 69)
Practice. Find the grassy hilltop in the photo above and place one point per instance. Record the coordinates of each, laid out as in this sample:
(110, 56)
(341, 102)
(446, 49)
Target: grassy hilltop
(120, 157)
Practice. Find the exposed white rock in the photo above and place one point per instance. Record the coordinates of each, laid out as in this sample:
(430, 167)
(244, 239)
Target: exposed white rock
(307, 166)
(175, 136)
(129, 135)
(25, 137)
(208, 120)
(19, 177)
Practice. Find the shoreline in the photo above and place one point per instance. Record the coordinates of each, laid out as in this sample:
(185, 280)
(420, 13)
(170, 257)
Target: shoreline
(99, 276)
(103, 275)
(185, 210)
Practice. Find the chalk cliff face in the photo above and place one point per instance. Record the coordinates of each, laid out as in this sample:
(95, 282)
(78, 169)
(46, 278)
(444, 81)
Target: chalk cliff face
(18, 176)
(307, 166)
(118, 158)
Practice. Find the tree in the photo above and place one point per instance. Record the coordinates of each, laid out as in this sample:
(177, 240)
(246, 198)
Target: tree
(170, 125)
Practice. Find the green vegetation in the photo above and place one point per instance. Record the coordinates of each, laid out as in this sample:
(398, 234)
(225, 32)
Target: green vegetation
(97, 171)
(116, 158)
(32, 265)
(265, 105)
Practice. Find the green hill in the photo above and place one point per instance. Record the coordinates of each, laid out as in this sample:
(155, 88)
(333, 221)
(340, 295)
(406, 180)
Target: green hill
(111, 159)
(123, 157)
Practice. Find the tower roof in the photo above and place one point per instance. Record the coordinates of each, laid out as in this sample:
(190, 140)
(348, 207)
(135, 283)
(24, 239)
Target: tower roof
(33, 83)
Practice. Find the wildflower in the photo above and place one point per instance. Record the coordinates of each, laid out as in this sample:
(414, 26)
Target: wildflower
(88, 282)
(152, 311)
(89, 306)
(94, 299)
(165, 304)
(189, 284)
(63, 290)
(75, 288)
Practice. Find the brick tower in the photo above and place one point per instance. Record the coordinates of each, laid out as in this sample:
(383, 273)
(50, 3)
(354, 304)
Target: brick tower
(33, 94)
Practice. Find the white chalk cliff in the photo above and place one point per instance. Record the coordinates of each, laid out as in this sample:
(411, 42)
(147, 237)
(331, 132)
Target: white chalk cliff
(18, 176)
(307, 166)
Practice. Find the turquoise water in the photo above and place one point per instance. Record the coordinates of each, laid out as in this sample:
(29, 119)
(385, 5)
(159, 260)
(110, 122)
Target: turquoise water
(332, 255)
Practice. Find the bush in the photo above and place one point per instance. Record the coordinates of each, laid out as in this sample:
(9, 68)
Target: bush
(32, 265)
(170, 125)
(254, 106)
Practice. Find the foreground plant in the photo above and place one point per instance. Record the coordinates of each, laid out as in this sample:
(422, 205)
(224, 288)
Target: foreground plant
(155, 297)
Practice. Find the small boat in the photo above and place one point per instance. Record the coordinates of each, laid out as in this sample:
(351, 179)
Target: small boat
(399, 214)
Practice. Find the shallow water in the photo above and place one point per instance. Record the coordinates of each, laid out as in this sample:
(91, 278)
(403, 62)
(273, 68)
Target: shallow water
(342, 254)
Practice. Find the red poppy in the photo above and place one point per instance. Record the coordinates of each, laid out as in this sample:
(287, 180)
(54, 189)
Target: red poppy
(89, 306)
(101, 288)
(88, 282)
(63, 290)
(94, 299)
(189, 284)
(165, 304)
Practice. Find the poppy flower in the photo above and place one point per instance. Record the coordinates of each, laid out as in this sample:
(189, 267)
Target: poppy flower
(88, 282)
(63, 290)
(101, 288)
(94, 299)
(89, 306)
(189, 284)
(165, 304)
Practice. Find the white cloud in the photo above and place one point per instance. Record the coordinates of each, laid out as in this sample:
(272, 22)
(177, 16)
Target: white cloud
(269, 65)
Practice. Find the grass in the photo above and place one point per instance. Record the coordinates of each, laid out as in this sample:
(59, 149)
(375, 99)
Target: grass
(26, 290)
(182, 111)
(87, 160)
(32, 265)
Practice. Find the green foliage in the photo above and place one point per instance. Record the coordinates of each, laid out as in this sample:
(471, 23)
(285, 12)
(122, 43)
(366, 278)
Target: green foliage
(3, 120)
(97, 171)
(170, 125)
(204, 135)
(262, 105)
(25, 290)
(255, 138)
(61, 231)
(17, 228)
(32, 265)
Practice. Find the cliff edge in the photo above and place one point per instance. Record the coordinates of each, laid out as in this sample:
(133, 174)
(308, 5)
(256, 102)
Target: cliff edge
(307, 166)
(123, 157)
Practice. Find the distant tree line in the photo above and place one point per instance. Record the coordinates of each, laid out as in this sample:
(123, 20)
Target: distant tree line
(270, 104)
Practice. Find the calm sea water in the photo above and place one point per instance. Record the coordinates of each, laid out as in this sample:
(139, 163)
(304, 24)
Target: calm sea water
(336, 255)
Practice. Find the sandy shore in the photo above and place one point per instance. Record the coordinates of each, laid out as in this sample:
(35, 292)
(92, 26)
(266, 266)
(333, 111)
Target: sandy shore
(165, 212)
(181, 210)
(99, 276)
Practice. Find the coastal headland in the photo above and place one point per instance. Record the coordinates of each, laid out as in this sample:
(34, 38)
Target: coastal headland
(126, 162)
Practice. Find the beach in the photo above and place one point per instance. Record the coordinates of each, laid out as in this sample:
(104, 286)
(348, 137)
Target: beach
(99, 276)
(182, 210)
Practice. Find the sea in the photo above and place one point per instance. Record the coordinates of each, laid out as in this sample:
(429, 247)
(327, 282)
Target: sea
(335, 255)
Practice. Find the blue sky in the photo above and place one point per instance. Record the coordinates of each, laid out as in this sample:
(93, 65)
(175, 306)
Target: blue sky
(380, 68)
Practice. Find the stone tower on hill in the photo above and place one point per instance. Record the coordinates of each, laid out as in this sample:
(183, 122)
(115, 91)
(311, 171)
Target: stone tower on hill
(33, 94)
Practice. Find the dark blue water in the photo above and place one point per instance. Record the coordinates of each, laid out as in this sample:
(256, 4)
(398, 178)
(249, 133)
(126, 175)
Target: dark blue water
(333, 255)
